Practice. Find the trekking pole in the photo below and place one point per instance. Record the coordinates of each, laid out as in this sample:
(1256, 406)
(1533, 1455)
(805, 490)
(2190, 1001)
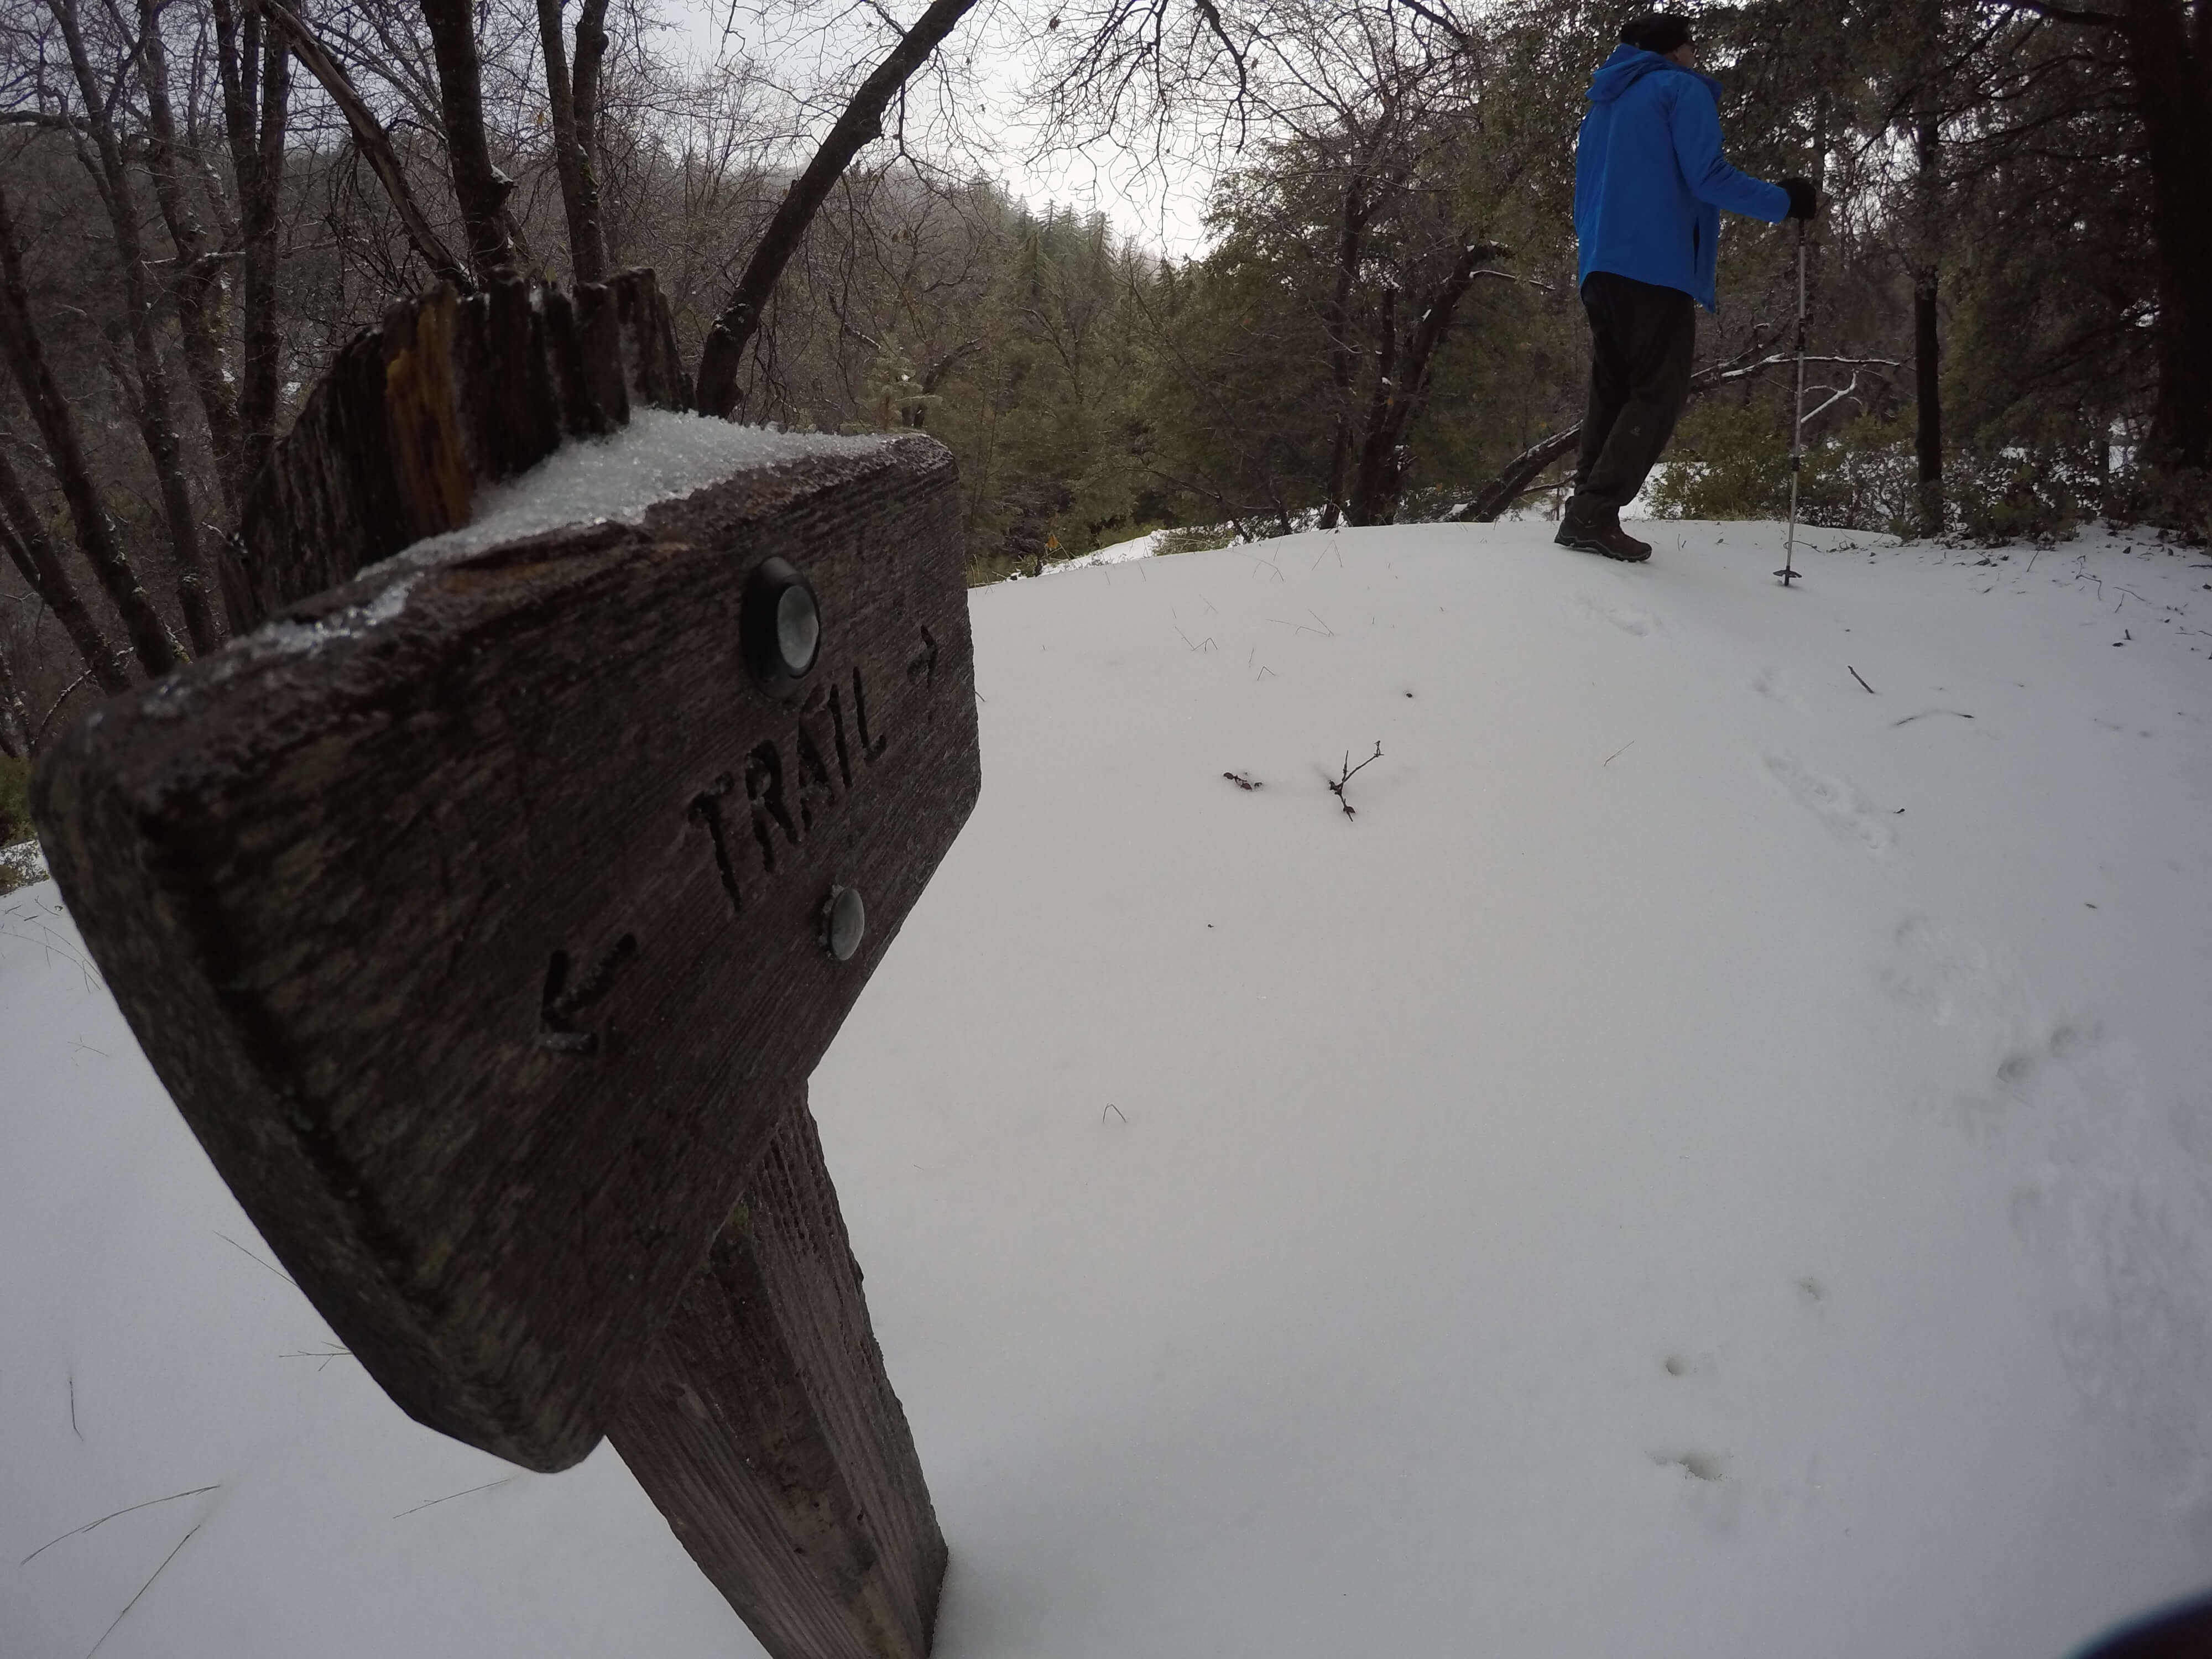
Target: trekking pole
(1789, 573)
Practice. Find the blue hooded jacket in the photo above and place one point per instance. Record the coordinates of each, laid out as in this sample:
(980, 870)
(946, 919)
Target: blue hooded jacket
(1650, 180)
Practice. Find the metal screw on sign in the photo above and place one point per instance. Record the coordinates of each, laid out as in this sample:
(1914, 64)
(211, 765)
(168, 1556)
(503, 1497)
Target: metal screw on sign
(844, 922)
(780, 624)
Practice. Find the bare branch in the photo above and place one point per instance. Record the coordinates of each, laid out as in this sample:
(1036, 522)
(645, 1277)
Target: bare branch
(861, 124)
(374, 143)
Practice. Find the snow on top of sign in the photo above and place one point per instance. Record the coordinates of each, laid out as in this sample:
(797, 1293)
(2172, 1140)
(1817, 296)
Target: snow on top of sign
(662, 454)
(290, 638)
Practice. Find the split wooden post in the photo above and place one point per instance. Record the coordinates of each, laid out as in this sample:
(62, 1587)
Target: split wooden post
(763, 1427)
(485, 914)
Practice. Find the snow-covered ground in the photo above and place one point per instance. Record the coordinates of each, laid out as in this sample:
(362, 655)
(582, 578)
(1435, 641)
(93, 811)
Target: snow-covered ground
(1714, 1159)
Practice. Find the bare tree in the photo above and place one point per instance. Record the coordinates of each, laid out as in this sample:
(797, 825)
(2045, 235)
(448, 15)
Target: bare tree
(373, 141)
(196, 278)
(860, 125)
(158, 651)
(257, 88)
(2168, 47)
(149, 396)
(40, 562)
(480, 187)
(572, 91)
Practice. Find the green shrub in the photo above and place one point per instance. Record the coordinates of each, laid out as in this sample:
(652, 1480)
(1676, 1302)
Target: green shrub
(1197, 538)
(2017, 493)
(1732, 462)
(2179, 501)
(14, 800)
(20, 864)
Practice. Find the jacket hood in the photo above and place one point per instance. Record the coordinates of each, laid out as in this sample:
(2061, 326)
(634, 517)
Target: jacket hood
(1630, 64)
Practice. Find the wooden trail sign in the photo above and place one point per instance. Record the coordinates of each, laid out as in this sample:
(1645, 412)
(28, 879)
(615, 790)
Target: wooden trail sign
(485, 914)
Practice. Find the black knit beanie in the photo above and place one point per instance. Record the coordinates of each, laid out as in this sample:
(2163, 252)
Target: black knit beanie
(1662, 31)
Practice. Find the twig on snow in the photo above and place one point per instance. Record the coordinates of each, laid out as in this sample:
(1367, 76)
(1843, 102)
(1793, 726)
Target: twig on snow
(1243, 779)
(325, 1354)
(75, 1531)
(1618, 753)
(250, 1256)
(1116, 1110)
(1861, 678)
(144, 1588)
(1336, 784)
(451, 1496)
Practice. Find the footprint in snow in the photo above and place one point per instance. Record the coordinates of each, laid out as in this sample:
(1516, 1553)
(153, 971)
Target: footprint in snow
(2107, 1184)
(1767, 683)
(1835, 801)
(1626, 617)
(1698, 1465)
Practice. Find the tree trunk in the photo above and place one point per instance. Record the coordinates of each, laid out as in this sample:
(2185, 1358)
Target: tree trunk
(1373, 492)
(861, 124)
(1928, 438)
(2169, 58)
(574, 101)
(2173, 81)
(157, 425)
(1406, 379)
(33, 553)
(19, 342)
(197, 287)
(1336, 323)
(480, 188)
(256, 96)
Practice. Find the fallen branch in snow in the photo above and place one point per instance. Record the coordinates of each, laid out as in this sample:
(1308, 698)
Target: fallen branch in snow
(327, 1354)
(1925, 713)
(1336, 784)
(1861, 678)
(1245, 780)
(250, 1256)
(144, 1588)
(131, 1509)
(451, 1496)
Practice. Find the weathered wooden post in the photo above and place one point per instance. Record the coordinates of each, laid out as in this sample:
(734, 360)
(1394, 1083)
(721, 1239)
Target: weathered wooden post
(486, 911)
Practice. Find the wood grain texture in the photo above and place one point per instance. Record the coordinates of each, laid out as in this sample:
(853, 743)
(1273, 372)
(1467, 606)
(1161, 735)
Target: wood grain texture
(764, 1429)
(471, 915)
(453, 392)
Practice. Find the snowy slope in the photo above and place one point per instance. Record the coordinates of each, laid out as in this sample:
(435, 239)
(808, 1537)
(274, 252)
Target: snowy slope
(1712, 1160)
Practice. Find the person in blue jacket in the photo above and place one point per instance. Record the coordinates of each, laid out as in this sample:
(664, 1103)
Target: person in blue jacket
(1649, 185)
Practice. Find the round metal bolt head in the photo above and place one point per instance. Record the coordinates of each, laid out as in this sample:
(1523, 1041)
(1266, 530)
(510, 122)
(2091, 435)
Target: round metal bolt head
(798, 628)
(780, 625)
(844, 922)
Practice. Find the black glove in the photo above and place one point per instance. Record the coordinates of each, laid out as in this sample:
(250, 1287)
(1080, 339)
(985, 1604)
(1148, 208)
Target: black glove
(1804, 200)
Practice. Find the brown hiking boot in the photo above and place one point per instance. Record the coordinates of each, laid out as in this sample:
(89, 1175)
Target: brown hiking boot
(1589, 527)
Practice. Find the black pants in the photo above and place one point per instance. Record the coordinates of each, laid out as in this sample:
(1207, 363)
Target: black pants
(1641, 339)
